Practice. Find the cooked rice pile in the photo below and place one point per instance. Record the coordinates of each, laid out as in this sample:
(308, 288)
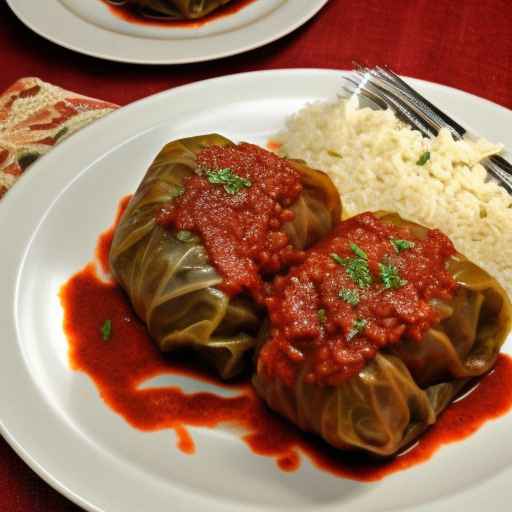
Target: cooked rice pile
(373, 160)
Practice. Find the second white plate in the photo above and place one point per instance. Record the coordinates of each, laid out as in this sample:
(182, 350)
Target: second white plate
(89, 27)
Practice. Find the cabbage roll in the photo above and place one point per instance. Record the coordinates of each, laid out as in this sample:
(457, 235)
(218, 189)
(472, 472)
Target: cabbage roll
(169, 278)
(404, 325)
(180, 9)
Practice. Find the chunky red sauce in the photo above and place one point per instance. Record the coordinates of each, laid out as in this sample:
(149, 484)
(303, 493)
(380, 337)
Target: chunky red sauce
(131, 14)
(349, 332)
(241, 231)
(120, 365)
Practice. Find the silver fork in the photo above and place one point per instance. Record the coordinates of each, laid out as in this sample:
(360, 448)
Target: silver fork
(383, 88)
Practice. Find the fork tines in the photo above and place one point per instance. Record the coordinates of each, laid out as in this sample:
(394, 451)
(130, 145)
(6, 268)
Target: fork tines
(381, 88)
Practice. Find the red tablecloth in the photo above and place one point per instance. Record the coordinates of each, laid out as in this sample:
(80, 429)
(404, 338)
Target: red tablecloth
(466, 44)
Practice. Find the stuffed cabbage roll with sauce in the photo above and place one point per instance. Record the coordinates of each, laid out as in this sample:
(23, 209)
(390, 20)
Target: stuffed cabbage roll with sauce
(180, 9)
(209, 225)
(377, 332)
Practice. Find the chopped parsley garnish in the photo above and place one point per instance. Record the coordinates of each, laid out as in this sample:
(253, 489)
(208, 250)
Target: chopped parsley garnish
(337, 259)
(184, 235)
(402, 245)
(231, 181)
(179, 191)
(357, 328)
(358, 251)
(424, 158)
(333, 153)
(321, 316)
(350, 296)
(390, 277)
(106, 330)
(357, 268)
(359, 272)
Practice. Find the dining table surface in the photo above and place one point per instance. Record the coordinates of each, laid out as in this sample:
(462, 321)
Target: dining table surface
(466, 45)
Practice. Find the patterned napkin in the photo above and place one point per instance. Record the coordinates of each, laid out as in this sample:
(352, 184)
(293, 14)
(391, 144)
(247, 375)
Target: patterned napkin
(34, 117)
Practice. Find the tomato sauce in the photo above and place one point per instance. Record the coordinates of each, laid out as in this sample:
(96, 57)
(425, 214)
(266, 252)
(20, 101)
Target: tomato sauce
(241, 231)
(132, 14)
(120, 365)
(370, 294)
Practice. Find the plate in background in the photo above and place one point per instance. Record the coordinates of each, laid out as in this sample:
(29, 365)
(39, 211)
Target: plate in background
(89, 27)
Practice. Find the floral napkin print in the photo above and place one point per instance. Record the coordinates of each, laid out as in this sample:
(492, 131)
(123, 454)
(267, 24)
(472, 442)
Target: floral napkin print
(34, 117)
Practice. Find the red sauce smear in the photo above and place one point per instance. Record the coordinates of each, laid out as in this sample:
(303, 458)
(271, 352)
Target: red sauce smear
(120, 365)
(338, 348)
(131, 14)
(242, 231)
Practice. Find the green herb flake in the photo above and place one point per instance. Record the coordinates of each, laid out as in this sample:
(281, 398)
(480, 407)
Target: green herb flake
(358, 251)
(321, 316)
(402, 245)
(232, 182)
(333, 153)
(184, 235)
(337, 259)
(358, 327)
(357, 269)
(179, 191)
(390, 277)
(424, 158)
(106, 330)
(350, 296)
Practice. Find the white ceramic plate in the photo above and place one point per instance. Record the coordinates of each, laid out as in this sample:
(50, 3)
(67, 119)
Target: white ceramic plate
(54, 418)
(87, 26)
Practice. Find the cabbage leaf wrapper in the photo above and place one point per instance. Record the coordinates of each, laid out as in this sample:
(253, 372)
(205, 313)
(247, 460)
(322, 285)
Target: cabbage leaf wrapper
(402, 391)
(172, 285)
(180, 9)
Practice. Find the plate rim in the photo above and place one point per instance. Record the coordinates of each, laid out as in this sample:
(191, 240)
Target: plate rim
(26, 184)
(31, 22)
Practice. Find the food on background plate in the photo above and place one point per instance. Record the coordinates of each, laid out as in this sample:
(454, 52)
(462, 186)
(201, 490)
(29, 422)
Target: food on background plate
(209, 226)
(377, 331)
(174, 14)
(378, 163)
(178, 9)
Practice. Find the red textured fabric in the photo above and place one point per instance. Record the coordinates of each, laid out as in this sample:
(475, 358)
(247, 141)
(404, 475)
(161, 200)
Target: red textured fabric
(466, 44)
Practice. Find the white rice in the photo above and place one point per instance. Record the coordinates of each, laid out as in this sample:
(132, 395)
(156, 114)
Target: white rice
(372, 158)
